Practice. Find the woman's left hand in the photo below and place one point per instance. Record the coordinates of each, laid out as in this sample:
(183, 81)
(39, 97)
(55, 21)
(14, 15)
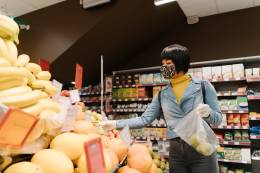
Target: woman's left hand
(203, 110)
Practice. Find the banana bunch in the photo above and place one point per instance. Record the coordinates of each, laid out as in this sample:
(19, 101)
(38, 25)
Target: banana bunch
(9, 29)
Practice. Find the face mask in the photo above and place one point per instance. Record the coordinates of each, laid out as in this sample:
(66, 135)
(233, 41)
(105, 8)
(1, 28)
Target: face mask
(168, 71)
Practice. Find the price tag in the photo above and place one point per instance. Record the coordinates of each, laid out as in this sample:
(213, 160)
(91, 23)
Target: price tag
(15, 127)
(226, 79)
(253, 137)
(230, 112)
(236, 143)
(253, 118)
(125, 135)
(237, 78)
(236, 127)
(74, 96)
(234, 93)
(95, 156)
(225, 142)
(226, 94)
(58, 85)
(241, 111)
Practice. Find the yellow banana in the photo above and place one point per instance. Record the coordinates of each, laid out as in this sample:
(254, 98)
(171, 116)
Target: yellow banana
(15, 91)
(35, 109)
(4, 51)
(4, 62)
(16, 72)
(9, 28)
(50, 89)
(43, 75)
(22, 100)
(49, 104)
(22, 60)
(7, 83)
(34, 68)
(44, 95)
(40, 84)
(13, 52)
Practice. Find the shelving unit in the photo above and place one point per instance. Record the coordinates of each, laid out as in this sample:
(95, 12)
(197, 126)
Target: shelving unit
(235, 143)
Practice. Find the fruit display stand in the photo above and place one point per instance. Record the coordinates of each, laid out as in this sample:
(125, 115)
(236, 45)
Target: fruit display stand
(234, 79)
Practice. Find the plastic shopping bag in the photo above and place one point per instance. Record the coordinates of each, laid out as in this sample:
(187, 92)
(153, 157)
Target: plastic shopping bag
(197, 133)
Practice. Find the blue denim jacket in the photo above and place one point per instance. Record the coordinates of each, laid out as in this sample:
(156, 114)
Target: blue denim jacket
(174, 112)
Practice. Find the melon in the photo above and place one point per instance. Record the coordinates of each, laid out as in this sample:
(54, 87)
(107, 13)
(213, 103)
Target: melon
(138, 149)
(112, 156)
(126, 169)
(141, 162)
(84, 127)
(69, 144)
(119, 147)
(153, 168)
(53, 161)
(24, 167)
(105, 141)
(82, 167)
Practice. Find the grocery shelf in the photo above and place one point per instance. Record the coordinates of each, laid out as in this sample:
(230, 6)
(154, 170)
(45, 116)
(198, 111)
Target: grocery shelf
(132, 99)
(234, 111)
(235, 143)
(254, 136)
(234, 161)
(230, 127)
(139, 85)
(224, 94)
(252, 97)
(255, 79)
(128, 110)
(125, 86)
(252, 118)
(238, 79)
(150, 138)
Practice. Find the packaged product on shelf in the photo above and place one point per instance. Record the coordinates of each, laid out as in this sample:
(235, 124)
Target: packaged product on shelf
(206, 73)
(227, 71)
(232, 104)
(216, 73)
(249, 72)
(245, 135)
(220, 152)
(242, 102)
(219, 136)
(236, 119)
(136, 79)
(230, 119)
(244, 120)
(157, 78)
(256, 72)
(146, 79)
(223, 104)
(223, 169)
(130, 80)
(238, 70)
(228, 136)
(241, 90)
(246, 155)
(237, 135)
(142, 92)
(197, 73)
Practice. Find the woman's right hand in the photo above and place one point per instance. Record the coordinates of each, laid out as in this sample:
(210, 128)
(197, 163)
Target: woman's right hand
(108, 125)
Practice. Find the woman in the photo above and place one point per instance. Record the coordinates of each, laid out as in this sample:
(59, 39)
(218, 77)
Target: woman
(180, 97)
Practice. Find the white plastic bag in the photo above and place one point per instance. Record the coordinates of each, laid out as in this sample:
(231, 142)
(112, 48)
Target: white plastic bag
(197, 133)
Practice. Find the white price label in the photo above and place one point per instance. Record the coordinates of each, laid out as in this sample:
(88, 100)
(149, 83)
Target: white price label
(74, 96)
(236, 127)
(234, 93)
(226, 94)
(225, 142)
(241, 111)
(238, 78)
(236, 143)
(253, 137)
(253, 118)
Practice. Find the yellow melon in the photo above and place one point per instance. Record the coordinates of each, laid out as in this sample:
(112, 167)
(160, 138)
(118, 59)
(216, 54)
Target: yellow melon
(141, 162)
(119, 147)
(126, 169)
(24, 167)
(138, 149)
(53, 161)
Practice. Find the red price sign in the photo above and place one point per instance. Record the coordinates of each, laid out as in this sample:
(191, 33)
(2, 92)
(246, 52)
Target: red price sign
(45, 65)
(95, 156)
(15, 127)
(78, 76)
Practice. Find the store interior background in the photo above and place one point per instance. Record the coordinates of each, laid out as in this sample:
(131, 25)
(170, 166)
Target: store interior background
(131, 34)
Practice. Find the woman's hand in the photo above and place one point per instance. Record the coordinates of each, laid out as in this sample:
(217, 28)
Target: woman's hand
(203, 110)
(108, 125)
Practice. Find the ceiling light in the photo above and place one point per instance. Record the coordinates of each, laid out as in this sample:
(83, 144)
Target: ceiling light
(161, 2)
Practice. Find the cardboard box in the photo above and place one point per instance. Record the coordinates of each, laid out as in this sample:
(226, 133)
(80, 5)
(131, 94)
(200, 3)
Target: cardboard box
(238, 70)
(216, 73)
(206, 73)
(227, 71)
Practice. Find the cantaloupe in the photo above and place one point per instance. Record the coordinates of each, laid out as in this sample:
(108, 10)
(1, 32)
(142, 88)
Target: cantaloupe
(138, 149)
(153, 168)
(82, 166)
(69, 144)
(84, 127)
(24, 167)
(119, 147)
(53, 161)
(126, 169)
(141, 162)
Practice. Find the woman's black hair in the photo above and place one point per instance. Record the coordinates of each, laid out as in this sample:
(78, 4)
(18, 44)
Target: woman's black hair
(179, 56)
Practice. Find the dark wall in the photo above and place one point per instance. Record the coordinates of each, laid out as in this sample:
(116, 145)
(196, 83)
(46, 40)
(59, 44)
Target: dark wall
(221, 36)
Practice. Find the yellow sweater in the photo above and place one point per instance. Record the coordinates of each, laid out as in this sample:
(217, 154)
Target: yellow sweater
(179, 85)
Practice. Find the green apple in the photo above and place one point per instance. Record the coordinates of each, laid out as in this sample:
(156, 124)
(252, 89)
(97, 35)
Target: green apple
(204, 148)
(194, 140)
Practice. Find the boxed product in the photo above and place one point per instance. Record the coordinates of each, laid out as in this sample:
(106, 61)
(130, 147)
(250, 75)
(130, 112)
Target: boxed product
(249, 72)
(221, 153)
(242, 102)
(246, 154)
(206, 73)
(245, 135)
(227, 71)
(230, 119)
(216, 73)
(228, 136)
(236, 119)
(232, 104)
(197, 73)
(224, 120)
(237, 135)
(157, 78)
(238, 70)
(255, 72)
